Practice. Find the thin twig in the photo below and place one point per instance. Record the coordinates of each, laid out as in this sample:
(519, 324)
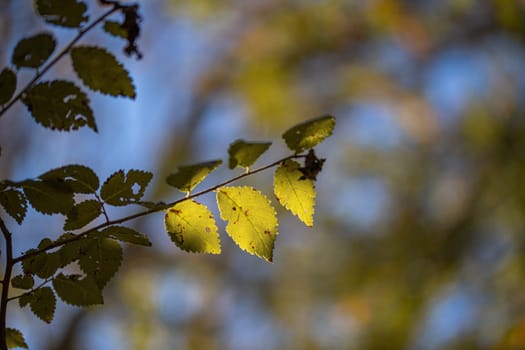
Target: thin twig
(58, 57)
(150, 211)
(104, 212)
(30, 291)
(5, 287)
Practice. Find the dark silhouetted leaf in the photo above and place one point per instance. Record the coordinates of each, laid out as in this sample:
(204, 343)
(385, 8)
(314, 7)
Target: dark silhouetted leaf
(49, 197)
(51, 265)
(23, 282)
(14, 203)
(24, 300)
(78, 292)
(59, 105)
(15, 339)
(192, 228)
(101, 260)
(7, 85)
(100, 71)
(72, 251)
(295, 193)
(44, 243)
(65, 13)
(252, 221)
(115, 29)
(189, 176)
(124, 188)
(244, 154)
(82, 214)
(44, 264)
(309, 134)
(33, 264)
(80, 178)
(32, 52)
(125, 234)
(43, 303)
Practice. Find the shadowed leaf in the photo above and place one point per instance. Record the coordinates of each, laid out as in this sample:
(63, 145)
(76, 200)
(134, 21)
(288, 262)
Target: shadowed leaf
(59, 105)
(309, 134)
(100, 71)
(15, 339)
(44, 264)
(77, 292)
(65, 13)
(49, 196)
(32, 52)
(101, 260)
(15, 204)
(82, 214)
(189, 176)
(72, 251)
(43, 303)
(125, 234)
(244, 154)
(192, 228)
(80, 178)
(23, 282)
(7, 85)
(124, 188)
(115, 29)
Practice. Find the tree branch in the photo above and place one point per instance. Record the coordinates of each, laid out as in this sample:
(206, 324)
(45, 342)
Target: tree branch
(151, 211)
(5, 286)
(59, 56)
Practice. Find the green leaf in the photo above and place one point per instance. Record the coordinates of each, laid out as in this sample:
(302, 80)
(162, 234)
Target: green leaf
(7, 85)
(192, 228)
(24, 300)
(33, 264)
(72, 251)
(125, 234)
(114, 28)
(32, 52)
(101, 260)
(49, 196)
(23, 282)
(50, 267)
(309, 134)
(82, 214)
(252, 222)
(44, 265)
(65, 13)
(189, 176)
(15, 339)
(44, 243)
(14, 203)
(125, 188)
(77, 292)
(59, 105)
(100, 71)
(244, 154)
(294, 192)
(80, 178)
(43, 303)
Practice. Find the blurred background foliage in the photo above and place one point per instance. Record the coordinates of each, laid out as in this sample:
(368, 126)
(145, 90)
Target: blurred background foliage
(419, 233)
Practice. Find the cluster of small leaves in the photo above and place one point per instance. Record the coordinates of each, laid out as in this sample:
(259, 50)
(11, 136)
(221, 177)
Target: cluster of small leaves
(75, 191)
(251, 218)
(90, 240)
(60, 104)
(97, 252)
